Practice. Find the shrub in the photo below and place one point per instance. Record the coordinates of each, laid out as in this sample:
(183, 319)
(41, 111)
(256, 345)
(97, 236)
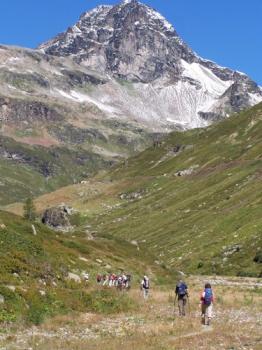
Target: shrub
(108, 301)
(13, 306)
(247, 274)
(258, 258)
(7, 316)
(39, 307)
(200, 265)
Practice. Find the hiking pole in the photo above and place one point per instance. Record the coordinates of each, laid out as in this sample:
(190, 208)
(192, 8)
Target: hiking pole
(175, 304)
(174, 312)
(189, 308)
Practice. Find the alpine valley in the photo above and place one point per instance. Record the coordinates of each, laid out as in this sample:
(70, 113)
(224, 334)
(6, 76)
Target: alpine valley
(100, 92)
(124, 154)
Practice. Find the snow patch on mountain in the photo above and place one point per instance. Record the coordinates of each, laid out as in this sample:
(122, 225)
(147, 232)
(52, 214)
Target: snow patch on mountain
(62, 93)
(100, 104)
(82, 98)
(255, 98)
(209, 81)
(157, 16)
(210, 88)
(99, 12)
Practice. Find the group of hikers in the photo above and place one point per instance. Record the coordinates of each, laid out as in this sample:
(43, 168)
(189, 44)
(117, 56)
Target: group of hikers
(122, 281)
(182, 299)
(206, 301)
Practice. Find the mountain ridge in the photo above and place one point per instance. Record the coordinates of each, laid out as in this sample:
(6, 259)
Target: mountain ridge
(132, 41)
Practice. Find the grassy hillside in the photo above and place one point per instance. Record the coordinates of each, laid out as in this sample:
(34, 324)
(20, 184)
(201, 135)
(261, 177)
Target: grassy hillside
(210, 220)
(34, 271)
(195, 200)
(29, 170)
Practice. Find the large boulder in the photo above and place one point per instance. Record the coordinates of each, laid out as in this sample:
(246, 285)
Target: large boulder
(57, 217)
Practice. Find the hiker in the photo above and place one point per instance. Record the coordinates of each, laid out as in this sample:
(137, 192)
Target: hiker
(85, 276)
(115, 280)
(206, 303)
(145, 286)
(120, 282)
(98, 279)
(128, 281)
(124, 281)
(111, 280)
(182, 296)
(105, 280)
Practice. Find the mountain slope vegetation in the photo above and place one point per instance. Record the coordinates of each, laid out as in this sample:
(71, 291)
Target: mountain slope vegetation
(194, 199)
(30, 170)
(35, 271)
(200, 203)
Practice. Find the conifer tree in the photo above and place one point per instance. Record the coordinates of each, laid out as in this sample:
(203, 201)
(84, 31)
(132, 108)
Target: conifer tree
(29, 210)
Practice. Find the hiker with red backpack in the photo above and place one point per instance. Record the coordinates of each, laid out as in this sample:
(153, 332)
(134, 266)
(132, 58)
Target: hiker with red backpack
(206, 303)
(182, 297)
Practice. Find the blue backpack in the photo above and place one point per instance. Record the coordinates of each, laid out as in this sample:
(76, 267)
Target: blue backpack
(208, 296)
(182, 289)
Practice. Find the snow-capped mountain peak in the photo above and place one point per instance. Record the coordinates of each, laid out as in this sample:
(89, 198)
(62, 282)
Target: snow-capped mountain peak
(133, 42)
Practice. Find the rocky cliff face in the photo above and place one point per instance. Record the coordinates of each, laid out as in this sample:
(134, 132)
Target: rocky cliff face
(132, 41)
(17, 111)
(129, 40)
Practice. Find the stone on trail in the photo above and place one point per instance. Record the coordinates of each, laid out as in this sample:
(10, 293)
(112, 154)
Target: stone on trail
(12, 288)
(34, 230)
(73, 277)
(83, 259)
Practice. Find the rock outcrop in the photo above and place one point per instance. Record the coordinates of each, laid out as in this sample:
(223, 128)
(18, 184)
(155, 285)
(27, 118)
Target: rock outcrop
(57, 217)
(17, 111)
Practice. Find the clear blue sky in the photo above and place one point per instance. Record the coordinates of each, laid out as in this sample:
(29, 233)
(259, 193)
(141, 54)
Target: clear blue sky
(226, 31)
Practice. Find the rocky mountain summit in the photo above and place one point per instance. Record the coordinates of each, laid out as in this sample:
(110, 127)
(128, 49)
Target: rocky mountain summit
(132, 41)
(129, 40)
